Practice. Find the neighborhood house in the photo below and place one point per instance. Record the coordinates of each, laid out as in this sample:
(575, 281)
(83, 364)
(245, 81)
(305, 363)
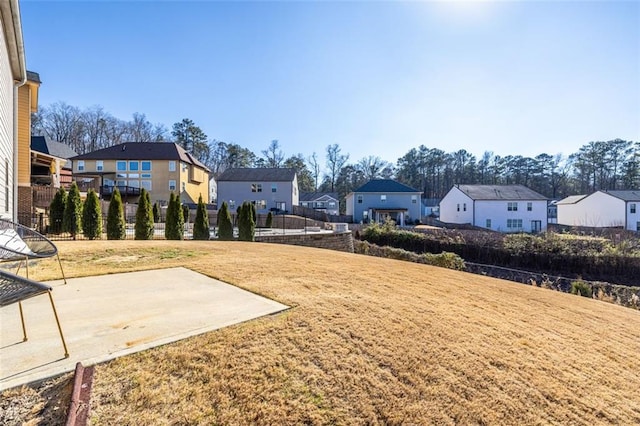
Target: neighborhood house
(504, 208)
(326, 202)
(381, 199)
(602, 209)
(269, 189)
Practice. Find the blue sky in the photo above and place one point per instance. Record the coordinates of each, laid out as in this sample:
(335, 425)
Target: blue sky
(377, 78)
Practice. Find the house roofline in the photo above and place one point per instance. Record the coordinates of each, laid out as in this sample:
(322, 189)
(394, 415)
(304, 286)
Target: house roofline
(10, 12)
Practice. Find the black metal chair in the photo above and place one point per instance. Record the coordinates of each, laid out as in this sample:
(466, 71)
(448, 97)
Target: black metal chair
(20, 243)
(16, 289)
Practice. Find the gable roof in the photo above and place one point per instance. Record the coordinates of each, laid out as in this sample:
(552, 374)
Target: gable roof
(385, 185)
(246, 174)
(143, 151)
(628, 195)
(55, 149)
(500, 192)
(317, 196)
(571, 199)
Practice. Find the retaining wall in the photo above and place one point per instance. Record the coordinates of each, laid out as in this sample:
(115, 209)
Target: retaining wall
(340, 241)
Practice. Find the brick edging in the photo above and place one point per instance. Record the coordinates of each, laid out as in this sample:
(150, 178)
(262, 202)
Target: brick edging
(78, 412)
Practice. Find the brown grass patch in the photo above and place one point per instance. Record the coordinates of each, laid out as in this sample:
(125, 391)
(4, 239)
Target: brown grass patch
(369, 341)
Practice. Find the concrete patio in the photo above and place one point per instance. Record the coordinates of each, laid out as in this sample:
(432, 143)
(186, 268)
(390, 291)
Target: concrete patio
(108, 316)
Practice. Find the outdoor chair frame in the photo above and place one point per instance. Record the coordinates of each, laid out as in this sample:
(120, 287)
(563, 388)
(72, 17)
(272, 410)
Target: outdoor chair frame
(16, 289)
(20, 243)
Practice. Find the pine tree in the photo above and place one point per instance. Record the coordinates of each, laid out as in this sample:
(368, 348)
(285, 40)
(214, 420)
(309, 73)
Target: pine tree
(174, 223)
(92, 216)
(56, 211)
(201, 224)
(116, 227)
(72, 220)
(144, 217)
(269, 223)
(246, 223)
(185, 212)
(225, 228)
(156, 212)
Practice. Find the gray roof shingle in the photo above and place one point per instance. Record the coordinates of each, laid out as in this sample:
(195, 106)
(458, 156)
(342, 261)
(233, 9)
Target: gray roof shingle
(628, 195)
(500, 192)
(312, 196)
(143, 151)
(385, 185)
(55, 149)
(257, 175)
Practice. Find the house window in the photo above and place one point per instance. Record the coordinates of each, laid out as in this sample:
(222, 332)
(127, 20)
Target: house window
(256, 187)
(121, 166)
(134, 166)
(172, 166)
(134, 183)
(383, 198)
(512, 207)
(304, 204)
(260, 204)
(514, 223)
(632, 208)
(172, 185)
(81, 165)
(464, 207)
(414, 199)
(146, 184)
(185, 167)
(332, 203)
(488, 224)
(359, 199)
(529, 207)
(637, 226)
(134, 175)
(458, 207)
(99, 166)
(184, 186)
(274, 187)
(232, 204)
(146, 175)
(145, 166)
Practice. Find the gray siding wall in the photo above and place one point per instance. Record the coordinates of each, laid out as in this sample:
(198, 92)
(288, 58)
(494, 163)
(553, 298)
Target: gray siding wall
(241, 191)
(372, 200)
(6, 130)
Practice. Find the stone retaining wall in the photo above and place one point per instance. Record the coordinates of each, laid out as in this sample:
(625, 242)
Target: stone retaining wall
(339, 242)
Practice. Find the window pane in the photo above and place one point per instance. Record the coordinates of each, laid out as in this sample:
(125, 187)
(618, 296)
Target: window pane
(121, 166)
(134, 166)
(146, 166)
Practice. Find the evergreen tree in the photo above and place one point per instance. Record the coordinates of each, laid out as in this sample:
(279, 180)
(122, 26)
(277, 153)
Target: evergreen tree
(174, 223)
(246, 224)
(72, 220)
(201, 224)
(92, 216)
(116, 227)
(156, 212)
(225, 228)
(56, 211)
(185, 212)
(269, 223)
(144, 217)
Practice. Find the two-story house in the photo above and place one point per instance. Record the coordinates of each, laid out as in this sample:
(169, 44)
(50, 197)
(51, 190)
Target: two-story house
(381, 199)
(159, 167)
(602, 209)
(504, 208)
(13, 75)
(268, 189)
(326, 202)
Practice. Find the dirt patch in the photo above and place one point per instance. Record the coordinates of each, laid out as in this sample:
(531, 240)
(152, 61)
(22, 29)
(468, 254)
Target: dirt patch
(118, 259)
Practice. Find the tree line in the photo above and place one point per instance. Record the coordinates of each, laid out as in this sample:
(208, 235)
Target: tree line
(597, 165)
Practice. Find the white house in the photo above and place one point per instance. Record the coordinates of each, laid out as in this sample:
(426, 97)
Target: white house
(13, 73)
(504, 208)
(602, 209)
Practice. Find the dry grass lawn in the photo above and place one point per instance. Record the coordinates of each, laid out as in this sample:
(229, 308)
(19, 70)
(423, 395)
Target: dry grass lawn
(369, 341)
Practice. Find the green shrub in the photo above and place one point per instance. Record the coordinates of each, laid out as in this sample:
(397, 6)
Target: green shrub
(56, 211)
(174, 222)
(116, 227)
(144, 217)
(225, 228)
(92, 216)
(185, 212)
(581, 288)
(443, 260)
(72, 220)
(269, 222)
(201, 224)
